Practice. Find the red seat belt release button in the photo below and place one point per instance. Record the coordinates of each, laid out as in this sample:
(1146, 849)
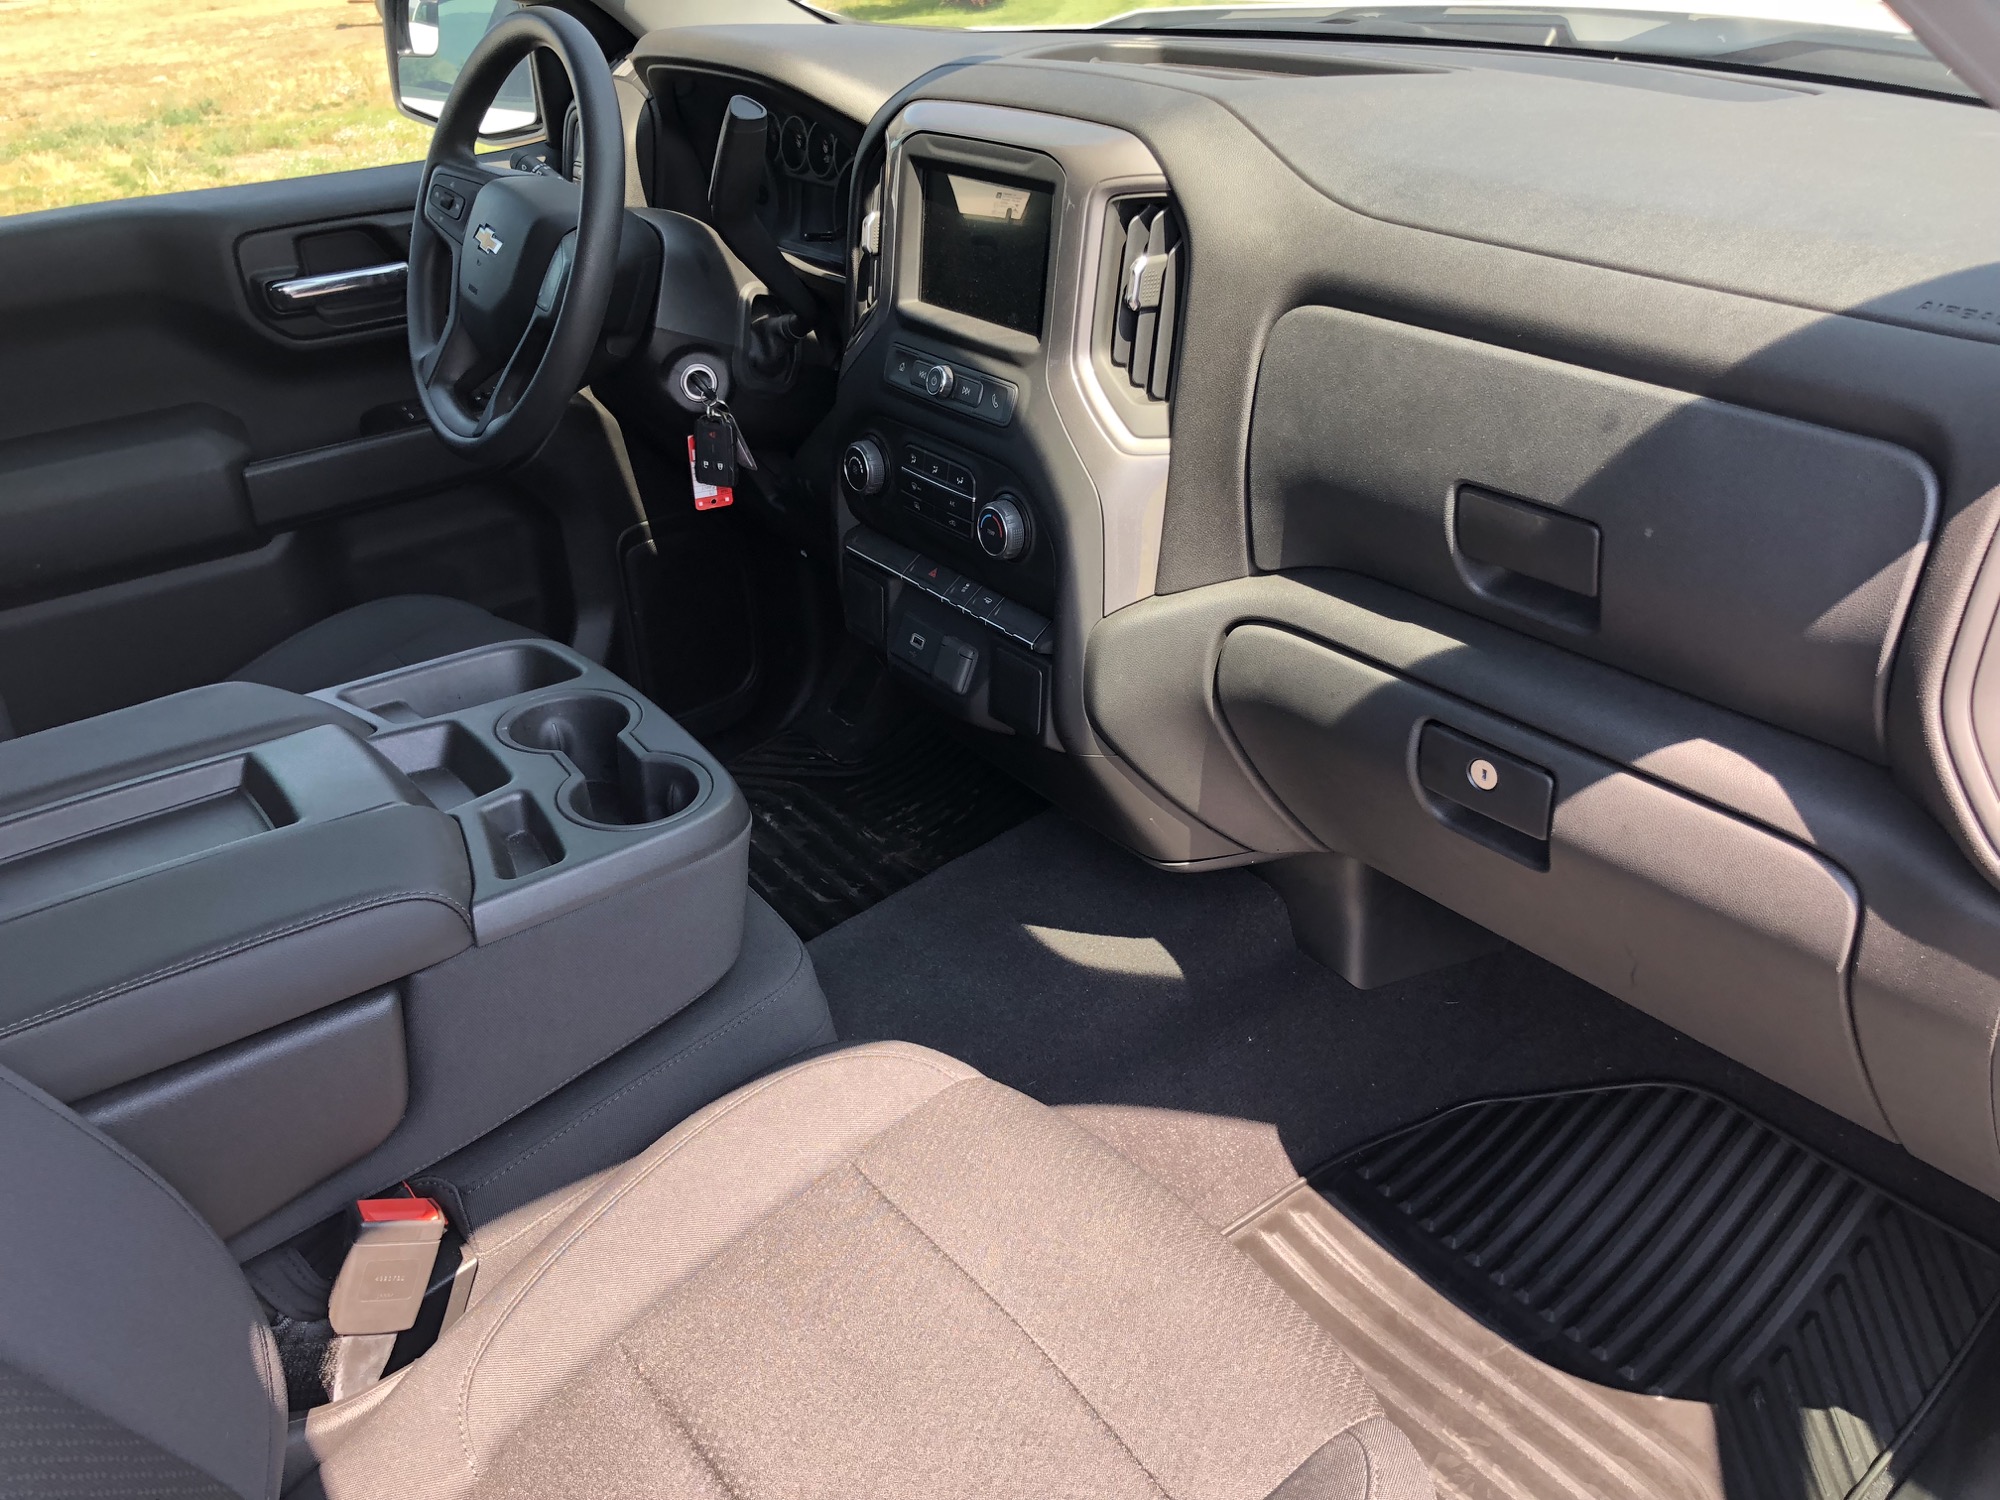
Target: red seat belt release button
(381, 1283)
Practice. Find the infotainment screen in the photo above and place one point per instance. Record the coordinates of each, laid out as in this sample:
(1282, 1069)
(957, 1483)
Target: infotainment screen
(985, 248)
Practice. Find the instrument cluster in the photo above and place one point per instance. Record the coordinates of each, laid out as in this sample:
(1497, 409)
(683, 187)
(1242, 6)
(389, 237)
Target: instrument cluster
(808, 149)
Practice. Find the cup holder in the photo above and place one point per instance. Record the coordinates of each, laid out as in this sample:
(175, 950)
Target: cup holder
(621, 787)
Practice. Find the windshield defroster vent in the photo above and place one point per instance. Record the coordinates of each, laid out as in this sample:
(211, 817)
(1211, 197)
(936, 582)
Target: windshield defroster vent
(1143, 238)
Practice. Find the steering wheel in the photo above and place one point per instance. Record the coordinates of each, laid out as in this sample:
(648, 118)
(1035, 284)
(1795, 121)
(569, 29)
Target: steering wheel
(511, 272)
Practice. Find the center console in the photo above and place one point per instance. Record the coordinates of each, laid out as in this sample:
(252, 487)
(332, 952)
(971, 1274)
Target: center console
(288, 949)
(1003, 431)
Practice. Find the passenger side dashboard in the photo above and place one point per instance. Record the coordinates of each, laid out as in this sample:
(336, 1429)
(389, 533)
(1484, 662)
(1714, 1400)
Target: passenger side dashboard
(1611, 573)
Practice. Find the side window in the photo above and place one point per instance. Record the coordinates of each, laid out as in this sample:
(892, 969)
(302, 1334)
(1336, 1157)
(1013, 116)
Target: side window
(105, 99)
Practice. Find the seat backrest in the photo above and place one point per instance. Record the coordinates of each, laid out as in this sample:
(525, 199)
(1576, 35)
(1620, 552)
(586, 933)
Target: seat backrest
(133, 1357)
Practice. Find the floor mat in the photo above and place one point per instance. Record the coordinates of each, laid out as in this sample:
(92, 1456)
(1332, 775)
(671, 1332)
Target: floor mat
(830, 838)
(1491, 1421)
(1657, 1240)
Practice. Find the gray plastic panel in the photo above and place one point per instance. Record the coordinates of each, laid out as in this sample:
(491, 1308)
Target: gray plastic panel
(113, 496)
(1756, 561)
(241, 1130)
(1731, 934)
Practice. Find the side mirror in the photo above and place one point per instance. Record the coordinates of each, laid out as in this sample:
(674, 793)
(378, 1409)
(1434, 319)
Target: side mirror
(428, 42)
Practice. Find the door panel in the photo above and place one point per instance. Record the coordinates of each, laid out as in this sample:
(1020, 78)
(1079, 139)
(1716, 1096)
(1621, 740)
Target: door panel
(189, 473)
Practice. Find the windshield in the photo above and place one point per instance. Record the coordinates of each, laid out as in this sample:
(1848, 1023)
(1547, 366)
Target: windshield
(1859, 41)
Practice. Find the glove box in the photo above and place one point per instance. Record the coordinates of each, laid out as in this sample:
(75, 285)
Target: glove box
(1722, 929)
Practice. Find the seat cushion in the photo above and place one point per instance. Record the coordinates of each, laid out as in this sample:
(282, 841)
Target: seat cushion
(378, 636)
(876, 1273)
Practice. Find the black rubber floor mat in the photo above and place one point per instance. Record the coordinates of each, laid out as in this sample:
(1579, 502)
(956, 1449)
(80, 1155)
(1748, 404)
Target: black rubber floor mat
(830, 838)
(1659, 1240)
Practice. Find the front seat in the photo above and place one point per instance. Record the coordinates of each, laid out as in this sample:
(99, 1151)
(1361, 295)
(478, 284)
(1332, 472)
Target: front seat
(874, 1274)
(378, 636)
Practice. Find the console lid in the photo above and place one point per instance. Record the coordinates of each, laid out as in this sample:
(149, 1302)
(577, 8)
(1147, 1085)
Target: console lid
(147, 920)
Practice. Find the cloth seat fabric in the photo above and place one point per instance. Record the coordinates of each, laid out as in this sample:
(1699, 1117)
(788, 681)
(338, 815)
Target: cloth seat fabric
(873, 1273)
(876, 1273)
(379, 636)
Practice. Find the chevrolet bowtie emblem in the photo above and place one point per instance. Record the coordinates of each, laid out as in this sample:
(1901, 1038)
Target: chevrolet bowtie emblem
(487, 240)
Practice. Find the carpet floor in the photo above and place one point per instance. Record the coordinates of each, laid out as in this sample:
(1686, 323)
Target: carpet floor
(1179, 1014)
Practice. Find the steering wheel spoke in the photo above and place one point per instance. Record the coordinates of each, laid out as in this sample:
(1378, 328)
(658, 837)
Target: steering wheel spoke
(450, 189)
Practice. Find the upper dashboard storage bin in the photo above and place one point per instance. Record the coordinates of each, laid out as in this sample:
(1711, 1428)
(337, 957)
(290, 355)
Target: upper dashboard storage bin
(1755, 561)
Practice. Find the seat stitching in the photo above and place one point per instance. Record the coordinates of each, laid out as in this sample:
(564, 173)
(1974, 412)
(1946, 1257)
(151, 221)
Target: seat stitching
(667, 1062)
(556, 1253)
(672, 1412)
(567, 1203)
(231, 950)
(1040, 1348)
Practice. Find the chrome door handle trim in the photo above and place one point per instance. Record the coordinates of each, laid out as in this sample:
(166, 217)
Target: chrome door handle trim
(301, 292)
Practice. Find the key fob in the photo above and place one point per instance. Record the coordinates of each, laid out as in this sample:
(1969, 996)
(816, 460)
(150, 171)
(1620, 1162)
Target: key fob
(715, 451)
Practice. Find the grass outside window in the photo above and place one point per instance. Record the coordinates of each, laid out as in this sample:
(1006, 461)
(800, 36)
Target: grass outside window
(116, 98)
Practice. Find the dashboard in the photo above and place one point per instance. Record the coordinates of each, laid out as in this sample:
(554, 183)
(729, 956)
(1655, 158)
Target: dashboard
(1563, 484)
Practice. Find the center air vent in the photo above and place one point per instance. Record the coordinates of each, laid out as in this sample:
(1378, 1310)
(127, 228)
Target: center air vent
(865, 256)
(1143, 242)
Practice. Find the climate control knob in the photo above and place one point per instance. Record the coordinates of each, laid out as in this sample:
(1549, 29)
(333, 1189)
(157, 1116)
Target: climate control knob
(863, 467)
(1001, 528)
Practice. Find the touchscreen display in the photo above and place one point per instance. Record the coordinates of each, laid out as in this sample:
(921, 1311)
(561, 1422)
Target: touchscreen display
(985, 248)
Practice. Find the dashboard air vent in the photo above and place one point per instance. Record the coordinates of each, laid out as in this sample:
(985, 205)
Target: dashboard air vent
(865, 258)
(1145, 237)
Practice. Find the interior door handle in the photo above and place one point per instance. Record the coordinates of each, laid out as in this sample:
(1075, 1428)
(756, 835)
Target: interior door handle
(300, 292)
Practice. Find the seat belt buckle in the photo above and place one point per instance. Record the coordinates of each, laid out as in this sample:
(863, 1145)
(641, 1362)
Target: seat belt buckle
(381, 1284)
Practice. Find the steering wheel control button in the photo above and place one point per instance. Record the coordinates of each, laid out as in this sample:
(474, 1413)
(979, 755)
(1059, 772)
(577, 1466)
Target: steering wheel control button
(863, 467)
(1482, 779)
(1002, 529)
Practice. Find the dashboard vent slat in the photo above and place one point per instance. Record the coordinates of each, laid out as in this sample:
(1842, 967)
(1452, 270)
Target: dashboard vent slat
(865, 256)
(1145, 238)
(1163, 353)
